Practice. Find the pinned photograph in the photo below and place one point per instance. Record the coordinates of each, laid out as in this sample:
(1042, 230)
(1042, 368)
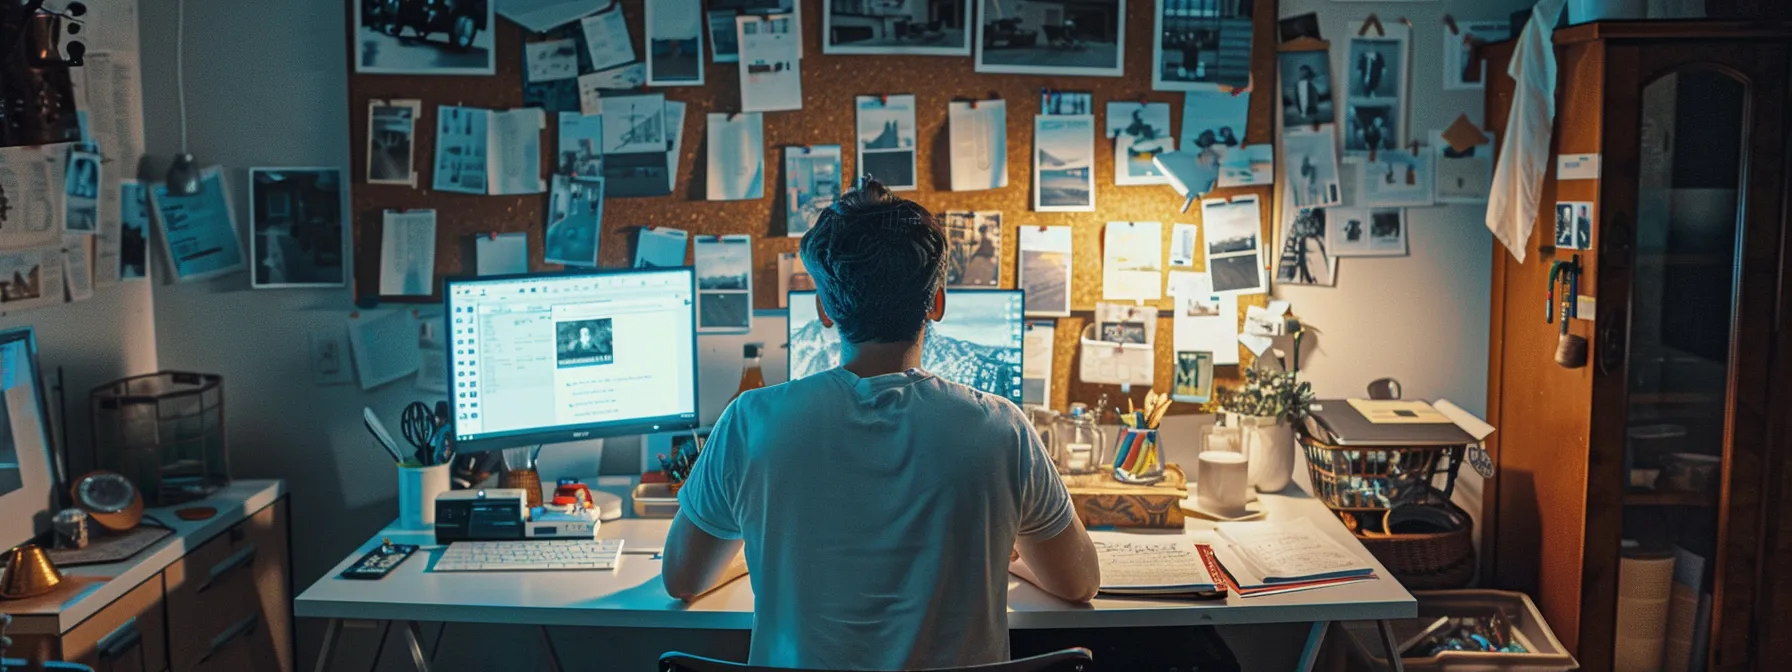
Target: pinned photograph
(886, 140)
(575, 221)
(1045, 270)
(736, 156)
(1312, 167)
(133, 252)
(1213, 122)
(724, 37)
(31, 278)
(973, 248)
(660, 247)
(639, 145)
(296, 216)
(581, 146)
(1052, 37)
(1194, 378)
(1248, 166)
(1306, 78)
(979, 133)
(592, 85)
(550, 61)
(461, 143)
(607, 41)
(1376, 72)
(1140, 132)
(1304, 259)
(1366, 232)
(419, 37)
(391, 131)
(81, 193)
(1234, 245)
(1063, 163)
(724, 284)
(771, 52)
(1396, 178)
(1574, 225)
(1462, 71)
(634, 124)
(1463, 175)
(1292, 28)
(1066, 102)
(1202, 45)
(908, 27)
(812, 182)
(1132, 266)
(1182, 244)
(674, 42)
(1124, 324)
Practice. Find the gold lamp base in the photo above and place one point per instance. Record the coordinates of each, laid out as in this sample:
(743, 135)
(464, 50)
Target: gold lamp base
(28, 573)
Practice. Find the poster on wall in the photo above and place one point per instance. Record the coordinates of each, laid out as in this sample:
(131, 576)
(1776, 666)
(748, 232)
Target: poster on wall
(1377, 68)
(1085, 38)
(1202, 45)
(903, 27)
(412, 38)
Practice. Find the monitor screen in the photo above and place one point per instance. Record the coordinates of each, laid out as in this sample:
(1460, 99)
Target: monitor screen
(565, 357)
(26, 470)
(977, 344)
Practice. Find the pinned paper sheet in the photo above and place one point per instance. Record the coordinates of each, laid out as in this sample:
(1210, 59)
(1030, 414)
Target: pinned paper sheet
(502, 254)
(1182, 244)
(77, 267)
(771, 58)
(1132, 261)
(660, 247)
(1037, 350)
(979, 131)
(1463, 134)
(1204, 322)
(724, 283)
(607, 39)
(432, 371)
(1045, 253)
(385, 347)
(199, 231)
(329, 358)
(408, 253)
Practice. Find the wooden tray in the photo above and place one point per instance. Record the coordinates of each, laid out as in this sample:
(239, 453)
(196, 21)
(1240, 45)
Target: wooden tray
(1101, 500)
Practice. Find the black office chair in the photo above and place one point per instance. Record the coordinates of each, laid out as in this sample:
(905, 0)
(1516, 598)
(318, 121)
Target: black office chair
(1068, 660)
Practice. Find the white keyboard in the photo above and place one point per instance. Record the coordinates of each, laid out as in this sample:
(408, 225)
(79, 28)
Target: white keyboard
(530, 556)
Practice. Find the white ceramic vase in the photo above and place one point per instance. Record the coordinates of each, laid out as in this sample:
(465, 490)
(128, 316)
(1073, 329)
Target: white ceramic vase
(1269, 444)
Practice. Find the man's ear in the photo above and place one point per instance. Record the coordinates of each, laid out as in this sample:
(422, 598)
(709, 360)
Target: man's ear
(825, 320)
(939, 306)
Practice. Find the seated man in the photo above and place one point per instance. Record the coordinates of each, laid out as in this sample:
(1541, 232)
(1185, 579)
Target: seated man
(877, 504)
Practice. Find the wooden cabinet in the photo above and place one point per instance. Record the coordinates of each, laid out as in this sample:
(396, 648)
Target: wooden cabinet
(1671, 442)
(223, 606)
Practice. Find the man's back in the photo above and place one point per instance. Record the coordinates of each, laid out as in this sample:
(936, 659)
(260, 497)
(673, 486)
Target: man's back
(878, 515)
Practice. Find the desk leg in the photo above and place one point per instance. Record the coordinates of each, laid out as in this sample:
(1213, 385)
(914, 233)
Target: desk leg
(1387, 640)
(1309, 654)
(553, 653)
(416, 647)
(332, 629)
(380, 647)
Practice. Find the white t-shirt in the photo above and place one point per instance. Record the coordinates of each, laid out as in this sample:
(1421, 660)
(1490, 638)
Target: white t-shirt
(878, 515)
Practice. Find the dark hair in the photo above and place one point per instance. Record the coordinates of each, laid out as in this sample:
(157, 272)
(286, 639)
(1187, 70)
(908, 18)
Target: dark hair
(877, 261)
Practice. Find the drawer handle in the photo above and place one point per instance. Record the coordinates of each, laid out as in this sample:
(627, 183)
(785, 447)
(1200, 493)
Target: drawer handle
(236, 561)
(229, 635)
(117, 642)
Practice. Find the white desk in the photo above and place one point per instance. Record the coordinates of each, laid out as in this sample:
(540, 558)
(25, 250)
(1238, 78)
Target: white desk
(632, 596)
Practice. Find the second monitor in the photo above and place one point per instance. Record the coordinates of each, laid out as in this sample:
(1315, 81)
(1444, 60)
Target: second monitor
(977, 344)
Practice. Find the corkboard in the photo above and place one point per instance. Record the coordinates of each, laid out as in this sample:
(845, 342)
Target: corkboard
(830, 84)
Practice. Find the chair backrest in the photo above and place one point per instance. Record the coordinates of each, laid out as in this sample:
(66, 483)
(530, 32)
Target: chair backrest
(1068, 660)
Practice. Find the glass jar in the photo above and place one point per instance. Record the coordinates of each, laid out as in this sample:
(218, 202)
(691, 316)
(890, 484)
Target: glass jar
(1085, 450)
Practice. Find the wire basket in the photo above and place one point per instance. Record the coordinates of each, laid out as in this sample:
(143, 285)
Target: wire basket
(1379, 478)
(165, 432)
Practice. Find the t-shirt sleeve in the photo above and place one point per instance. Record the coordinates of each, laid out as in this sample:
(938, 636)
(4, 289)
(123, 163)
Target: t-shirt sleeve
(1045, 508)
(710, 493)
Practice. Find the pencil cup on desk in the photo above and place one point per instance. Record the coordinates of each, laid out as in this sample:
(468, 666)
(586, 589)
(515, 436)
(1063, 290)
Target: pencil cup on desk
(418, 488)
(1137, 457)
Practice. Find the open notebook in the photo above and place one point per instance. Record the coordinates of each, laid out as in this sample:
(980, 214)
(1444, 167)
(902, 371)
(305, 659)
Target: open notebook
(1156, 565)
(1284, 556)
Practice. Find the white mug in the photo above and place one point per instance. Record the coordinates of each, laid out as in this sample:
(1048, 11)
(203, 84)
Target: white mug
(418, 488)
(1222, 482)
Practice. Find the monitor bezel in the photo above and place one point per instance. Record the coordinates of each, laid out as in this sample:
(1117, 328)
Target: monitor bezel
(585, 432)
(790, 327)
(38, 502)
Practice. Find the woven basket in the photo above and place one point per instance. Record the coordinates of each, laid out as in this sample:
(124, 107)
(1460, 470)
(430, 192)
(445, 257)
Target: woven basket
(1373, 479)
(1427, 561)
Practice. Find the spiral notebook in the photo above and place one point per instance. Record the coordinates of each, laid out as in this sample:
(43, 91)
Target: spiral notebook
(1154, 565)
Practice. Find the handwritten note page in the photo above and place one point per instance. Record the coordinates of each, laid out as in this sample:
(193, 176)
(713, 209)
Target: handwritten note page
(1137, 561)
(1291, 550)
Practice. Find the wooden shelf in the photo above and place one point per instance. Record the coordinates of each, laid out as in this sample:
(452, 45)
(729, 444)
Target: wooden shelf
(1702, 499)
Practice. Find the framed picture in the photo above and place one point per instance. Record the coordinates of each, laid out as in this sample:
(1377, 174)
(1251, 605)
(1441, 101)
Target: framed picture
(297, 224)
(1202, 45)
(1085, 38)
(411, 37)
(906, 27)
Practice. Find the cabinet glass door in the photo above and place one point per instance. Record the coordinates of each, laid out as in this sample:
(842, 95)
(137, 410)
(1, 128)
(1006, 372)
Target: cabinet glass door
(1683, 314)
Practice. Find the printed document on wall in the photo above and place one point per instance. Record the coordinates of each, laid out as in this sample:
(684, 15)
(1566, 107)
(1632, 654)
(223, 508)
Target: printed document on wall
(515, 148)
(77, 263)
(771, 57)
(26, 177)
(1037, 351)
(1204, 321)
(199, 231)
(1132, 261)
(408, 253)
(33, 277)
(385, 347)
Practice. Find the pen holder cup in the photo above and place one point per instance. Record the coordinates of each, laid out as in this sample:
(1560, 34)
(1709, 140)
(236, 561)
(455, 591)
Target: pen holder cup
(1138, 458)
(418, 488)
(526, 480)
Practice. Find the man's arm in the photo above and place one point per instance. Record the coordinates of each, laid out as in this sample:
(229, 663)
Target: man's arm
(1063, 565)
(696, 563)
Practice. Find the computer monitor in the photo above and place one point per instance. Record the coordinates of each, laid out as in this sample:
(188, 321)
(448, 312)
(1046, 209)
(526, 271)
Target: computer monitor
(977, 344)
(550, 358)
(27, 473)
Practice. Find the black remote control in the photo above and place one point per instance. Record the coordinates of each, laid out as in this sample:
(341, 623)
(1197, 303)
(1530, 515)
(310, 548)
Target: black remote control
(380, 561)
